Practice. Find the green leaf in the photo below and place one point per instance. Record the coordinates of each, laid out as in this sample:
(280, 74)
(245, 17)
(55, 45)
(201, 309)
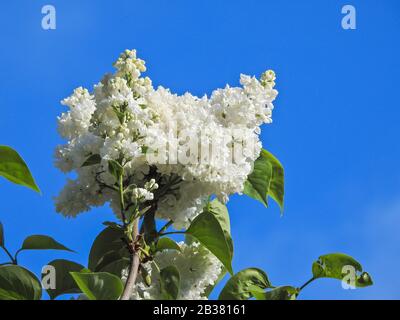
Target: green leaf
(2, 243)
(99, 285)
(17, 283)
(267, 179)
(114, 262)
(92, 160)
(64, 282)
(220, 211)
(338, 266)
(279, 293)
(242, 284)
(364, 280)
(167, 244)
(111, 224)
(14, 168)
(208, 231)
(149, 227)
(170, 283)
(277, 185)
(115, 267)
(39, 242)
(107, 247)
(115, 169)
(146, 276)
(258, 182)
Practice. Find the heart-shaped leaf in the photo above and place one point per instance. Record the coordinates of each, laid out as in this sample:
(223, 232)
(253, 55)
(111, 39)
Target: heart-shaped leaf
(167, 244)
(64, 282)
(14, 168)
(170, 283)
(242, 284)
(279, 293)
(107, 247)
(17, 283)
(40, 242)
(342, 267)
(208, 231)
(92, 160)
(220, 211)
(115, 267)
(99, 285)
(266, 179)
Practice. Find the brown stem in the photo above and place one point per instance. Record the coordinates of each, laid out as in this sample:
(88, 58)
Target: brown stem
(134, 266)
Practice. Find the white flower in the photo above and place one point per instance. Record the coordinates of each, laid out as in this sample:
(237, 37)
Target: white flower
(141, 195)
(179, 148)
(195, 147)
(268, 78)
(77, 120)
(151, 185)
(198, 269)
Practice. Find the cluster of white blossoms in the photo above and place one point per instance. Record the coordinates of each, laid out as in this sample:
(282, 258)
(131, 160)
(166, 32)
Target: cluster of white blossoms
(192, 147)
(198, 268)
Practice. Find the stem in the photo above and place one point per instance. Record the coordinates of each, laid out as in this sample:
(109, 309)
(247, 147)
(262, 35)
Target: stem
(134, 266)
(135, 261)
(172, 232)
(306, 284)
(156, 265)
(121, 198)
(167, 225)
(13, 260)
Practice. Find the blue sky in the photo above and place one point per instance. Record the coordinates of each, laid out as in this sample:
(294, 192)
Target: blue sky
(335, 124)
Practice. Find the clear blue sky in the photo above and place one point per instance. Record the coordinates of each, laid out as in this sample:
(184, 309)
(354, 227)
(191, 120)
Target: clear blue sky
(335, 124)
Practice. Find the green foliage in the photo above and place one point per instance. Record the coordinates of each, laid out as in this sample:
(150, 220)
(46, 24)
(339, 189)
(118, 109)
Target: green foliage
(64, 282)
(242, 285)
(220, 212)
(40, 242)
(165, 244)
(252, 283)
(107, 248)
(279, 293)
(170, 283)
(92, 160)
(109, 254)
(149, 228)
(115, 266)
(115, 169)
(17, 283)
(267, 179)
(99, 285)
(207, 229)
(14, 168)
(336, 266)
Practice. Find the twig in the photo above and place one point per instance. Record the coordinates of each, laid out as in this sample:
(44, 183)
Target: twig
(134, 266)
(13, 259)
(166, 226)
(306, 284)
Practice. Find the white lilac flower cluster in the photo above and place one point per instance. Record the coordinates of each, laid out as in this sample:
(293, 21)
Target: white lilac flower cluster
(198, 269)
(193, 147)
